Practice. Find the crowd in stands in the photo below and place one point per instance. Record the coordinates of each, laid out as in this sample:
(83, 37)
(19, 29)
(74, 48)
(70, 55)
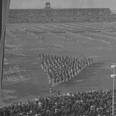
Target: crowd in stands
(91, 103)
(62, 68)
(59, 15)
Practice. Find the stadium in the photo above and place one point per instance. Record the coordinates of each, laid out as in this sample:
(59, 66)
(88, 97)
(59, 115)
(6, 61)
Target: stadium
(57, 62)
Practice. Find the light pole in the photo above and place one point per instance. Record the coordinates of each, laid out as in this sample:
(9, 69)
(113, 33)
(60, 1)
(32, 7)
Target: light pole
(113, 93)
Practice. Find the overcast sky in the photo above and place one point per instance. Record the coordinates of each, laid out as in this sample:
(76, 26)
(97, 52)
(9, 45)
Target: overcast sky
(64, 3)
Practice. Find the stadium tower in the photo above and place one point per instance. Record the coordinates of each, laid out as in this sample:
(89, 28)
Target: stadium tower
(47, 5)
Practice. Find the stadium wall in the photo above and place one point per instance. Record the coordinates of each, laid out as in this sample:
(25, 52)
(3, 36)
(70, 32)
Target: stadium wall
(60, 15)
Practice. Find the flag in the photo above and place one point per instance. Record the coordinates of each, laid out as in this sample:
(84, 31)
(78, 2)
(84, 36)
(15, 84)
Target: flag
(4, 6)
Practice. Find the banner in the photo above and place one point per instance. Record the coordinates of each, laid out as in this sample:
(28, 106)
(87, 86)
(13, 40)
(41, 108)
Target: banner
(4, 7)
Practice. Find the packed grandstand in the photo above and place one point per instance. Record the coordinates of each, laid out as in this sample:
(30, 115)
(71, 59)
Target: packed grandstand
(91, 103)
(61, 15)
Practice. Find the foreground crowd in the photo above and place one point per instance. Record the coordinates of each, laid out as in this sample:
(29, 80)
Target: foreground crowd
(62, 68)
(92, 103)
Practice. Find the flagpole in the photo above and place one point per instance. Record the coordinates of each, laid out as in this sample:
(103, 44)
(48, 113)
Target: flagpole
(0, 52)
(113, 89)
(2, 65)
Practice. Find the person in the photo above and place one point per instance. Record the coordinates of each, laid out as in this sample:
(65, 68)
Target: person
(36, 100)
(58, 92)
(51, 90)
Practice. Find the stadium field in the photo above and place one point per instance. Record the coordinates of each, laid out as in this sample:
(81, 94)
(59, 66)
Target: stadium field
(23, 76)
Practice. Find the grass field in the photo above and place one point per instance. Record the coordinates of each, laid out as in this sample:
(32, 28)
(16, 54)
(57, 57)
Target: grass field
(23, 76)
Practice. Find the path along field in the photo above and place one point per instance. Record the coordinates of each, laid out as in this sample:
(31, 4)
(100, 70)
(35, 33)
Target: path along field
(23, 76)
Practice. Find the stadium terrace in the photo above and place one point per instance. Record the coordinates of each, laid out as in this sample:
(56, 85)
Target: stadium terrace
(60, 15)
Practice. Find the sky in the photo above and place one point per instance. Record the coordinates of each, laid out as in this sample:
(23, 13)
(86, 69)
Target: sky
(64, 4)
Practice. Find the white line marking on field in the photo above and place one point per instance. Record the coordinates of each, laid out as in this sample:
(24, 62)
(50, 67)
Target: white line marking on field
(78, 81)
(104, 41)
(58, 45)
(22, 54)
(37, 49)
(100, 48)
(40, 41)
(90, 38)
(94, 56)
